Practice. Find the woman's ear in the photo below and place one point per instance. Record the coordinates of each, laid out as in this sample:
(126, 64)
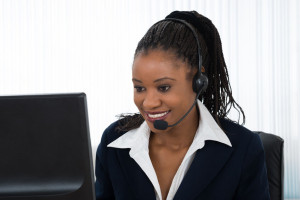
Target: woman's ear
(191, 73)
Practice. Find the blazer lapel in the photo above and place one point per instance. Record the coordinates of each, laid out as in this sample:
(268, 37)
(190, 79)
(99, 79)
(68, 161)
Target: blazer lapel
(207, 163)
(137, 180)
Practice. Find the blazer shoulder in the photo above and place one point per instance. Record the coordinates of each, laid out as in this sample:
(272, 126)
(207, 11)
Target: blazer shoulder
(239, 135)
(111, 133)
(232, 128)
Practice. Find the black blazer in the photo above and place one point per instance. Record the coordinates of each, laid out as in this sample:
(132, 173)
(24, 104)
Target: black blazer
(217, 172)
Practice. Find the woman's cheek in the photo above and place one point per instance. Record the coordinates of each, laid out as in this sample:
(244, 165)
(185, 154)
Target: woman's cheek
(137, 98)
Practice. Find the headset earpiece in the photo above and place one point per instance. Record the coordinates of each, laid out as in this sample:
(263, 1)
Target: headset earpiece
(200, 82)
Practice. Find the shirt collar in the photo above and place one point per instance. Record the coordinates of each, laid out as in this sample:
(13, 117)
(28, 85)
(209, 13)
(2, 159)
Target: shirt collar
(138, 139)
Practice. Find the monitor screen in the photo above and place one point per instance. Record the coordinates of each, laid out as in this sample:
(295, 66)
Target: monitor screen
(45, 150)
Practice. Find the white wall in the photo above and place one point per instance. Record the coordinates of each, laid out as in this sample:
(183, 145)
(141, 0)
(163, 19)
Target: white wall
(58, 46)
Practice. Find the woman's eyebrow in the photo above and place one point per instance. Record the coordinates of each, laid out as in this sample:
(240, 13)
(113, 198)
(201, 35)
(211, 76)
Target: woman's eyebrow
(136, 80)
(164, 78)
(157, 80)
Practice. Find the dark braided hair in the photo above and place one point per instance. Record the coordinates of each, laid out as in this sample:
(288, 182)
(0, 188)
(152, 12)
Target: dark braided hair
(175, 37)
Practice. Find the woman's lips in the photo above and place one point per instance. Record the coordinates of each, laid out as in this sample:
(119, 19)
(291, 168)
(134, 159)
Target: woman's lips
(152, 116)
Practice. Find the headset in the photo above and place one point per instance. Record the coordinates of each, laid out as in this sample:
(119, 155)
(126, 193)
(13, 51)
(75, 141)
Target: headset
(200, 81)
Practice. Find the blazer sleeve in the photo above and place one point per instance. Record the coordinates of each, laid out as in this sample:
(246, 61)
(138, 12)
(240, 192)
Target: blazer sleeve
(103, 186)
(254, 180)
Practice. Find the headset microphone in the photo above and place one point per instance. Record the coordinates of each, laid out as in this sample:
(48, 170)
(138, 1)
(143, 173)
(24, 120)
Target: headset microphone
(200, 81)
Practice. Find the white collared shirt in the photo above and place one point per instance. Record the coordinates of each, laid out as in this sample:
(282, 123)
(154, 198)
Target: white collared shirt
(138, 142)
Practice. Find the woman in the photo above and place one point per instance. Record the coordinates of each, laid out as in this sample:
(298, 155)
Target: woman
(178, 147)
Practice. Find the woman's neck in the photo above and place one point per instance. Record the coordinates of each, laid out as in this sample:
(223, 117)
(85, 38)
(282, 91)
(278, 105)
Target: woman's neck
(179, 136)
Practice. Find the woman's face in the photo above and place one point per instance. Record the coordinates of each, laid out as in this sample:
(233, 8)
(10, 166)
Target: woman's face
(161, 88)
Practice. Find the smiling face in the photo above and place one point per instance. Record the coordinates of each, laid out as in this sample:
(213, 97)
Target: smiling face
(162, 89)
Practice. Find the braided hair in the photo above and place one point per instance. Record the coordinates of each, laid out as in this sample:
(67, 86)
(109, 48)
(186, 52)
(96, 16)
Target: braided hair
(177, 38)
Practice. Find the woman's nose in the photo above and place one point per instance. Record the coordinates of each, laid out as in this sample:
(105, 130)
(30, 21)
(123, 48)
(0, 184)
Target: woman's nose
(151, 100)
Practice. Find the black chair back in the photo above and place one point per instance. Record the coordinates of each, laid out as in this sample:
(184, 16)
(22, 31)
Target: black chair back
(273, 146)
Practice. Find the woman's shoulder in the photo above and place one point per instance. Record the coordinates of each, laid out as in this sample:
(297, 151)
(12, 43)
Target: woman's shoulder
(238, 134)
(112, 132)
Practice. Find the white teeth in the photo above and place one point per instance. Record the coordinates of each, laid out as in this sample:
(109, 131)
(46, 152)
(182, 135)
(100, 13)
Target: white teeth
(157, 115)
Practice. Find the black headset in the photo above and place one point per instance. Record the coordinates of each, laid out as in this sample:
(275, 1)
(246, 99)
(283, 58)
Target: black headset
(200, 81)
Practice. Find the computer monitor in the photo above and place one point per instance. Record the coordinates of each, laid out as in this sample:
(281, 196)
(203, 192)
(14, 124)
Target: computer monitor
(45, 150)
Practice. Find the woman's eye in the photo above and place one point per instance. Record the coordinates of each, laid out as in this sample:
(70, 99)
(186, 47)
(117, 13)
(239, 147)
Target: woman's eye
(164, 88)
(139, 88)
